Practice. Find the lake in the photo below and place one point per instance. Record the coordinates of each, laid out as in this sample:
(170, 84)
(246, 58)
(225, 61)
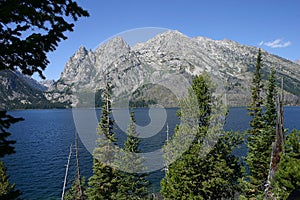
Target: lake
(44, 138)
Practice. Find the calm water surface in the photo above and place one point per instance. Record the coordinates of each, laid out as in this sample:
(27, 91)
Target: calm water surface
(44, 138)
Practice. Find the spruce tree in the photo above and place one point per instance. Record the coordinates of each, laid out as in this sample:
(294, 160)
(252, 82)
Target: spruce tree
(255, 107)
(7, 190)
(195, 175)
(132, 184)
(202, 88)
(261, 134)
(287, 177)
(270, 117)
(103, 182)
(270, 114)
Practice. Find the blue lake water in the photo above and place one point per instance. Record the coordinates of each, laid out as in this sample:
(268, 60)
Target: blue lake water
(44, 138)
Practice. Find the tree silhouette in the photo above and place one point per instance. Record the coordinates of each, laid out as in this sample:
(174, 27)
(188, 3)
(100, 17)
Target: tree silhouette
(30, 29)
(5, 122)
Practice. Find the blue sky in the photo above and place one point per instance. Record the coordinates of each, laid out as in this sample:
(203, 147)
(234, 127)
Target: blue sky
(271, 25)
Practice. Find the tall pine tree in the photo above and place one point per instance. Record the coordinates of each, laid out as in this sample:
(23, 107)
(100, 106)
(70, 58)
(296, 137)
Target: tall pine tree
(270, 117)
(103, 182)
(270, 114)
(132, 183)
(255, 107)
(197, 175)
(261, 134)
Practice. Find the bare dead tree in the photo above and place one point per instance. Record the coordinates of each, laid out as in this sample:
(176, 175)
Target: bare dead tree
(167, 140)
(79, 189)
(66, 174)
(277, 146)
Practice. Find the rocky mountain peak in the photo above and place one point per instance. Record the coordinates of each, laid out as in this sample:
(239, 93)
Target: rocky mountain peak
(115, 44)
(74, 67)
(169, 35)
(166, 43)
(170, 52)
(117, 41)
(80, 53)
(169, 39)
(172, 34)
(109, 52)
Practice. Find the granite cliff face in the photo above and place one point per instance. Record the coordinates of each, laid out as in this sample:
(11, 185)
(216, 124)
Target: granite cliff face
(132, 70)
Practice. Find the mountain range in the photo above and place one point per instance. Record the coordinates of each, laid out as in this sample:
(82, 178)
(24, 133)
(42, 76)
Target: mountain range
(142, 71)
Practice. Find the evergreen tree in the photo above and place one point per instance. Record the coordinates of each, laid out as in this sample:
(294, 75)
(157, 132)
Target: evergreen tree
(287, 177)
(132, 184)
(256, 158)
(5, 122)
(202, 88)
(262, 133)
(270, 117)
(255, 107)
(30, 29)
(197, 175)
(7, 190)
(103, 182)
(270, 114)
